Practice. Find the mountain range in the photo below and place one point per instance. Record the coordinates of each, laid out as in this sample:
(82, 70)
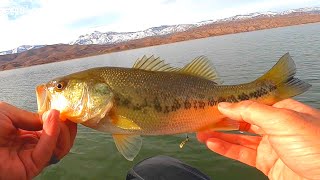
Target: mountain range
(109, 38)
(21, 49)
(97, 43)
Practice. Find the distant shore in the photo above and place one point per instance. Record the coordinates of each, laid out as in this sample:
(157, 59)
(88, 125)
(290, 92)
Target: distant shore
(62, 52)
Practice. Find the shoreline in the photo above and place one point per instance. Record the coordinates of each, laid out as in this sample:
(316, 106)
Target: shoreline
(64, 52)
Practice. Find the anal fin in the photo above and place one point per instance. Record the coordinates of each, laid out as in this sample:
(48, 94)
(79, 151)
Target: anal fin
(128, 145)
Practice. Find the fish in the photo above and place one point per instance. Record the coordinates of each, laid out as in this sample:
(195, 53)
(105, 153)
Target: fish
(154, 98)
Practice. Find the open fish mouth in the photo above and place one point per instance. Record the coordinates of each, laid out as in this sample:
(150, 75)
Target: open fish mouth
(42, 98)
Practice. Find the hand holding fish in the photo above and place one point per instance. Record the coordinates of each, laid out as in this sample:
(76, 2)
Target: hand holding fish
(289, 145)
(28, 145)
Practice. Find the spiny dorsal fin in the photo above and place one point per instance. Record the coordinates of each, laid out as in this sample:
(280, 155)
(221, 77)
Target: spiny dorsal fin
(201, 67)
(153, 64)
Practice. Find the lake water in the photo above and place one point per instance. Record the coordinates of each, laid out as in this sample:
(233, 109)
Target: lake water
(239, 58)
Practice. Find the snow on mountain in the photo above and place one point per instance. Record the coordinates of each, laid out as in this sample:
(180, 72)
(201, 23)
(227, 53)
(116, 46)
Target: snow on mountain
(202, 23)
(21, 49)
(309, 10)
(249, 16)
(116, 37)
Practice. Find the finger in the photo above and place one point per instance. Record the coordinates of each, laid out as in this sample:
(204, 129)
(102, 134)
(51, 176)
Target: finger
(243, 126)
(233, 151)
(271, 120)
(247, 127)
(203, 137)
(251, 142)
(256, 130)
(296, 106)
(63, 143)
(21, 118)
(73, 130)
(48, 139)
(66, 138)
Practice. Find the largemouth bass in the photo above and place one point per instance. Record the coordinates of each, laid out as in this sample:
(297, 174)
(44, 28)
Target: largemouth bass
(153, 98)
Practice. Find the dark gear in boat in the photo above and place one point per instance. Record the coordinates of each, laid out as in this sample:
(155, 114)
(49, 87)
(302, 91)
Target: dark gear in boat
(164, 168)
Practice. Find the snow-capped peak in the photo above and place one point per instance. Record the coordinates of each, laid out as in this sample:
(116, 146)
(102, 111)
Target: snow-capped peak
(98, 37)
(302, 10)
(21, 49)
(115, 37)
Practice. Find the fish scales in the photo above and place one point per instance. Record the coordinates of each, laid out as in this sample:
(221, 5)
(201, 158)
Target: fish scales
(153, 98)
(175, 104)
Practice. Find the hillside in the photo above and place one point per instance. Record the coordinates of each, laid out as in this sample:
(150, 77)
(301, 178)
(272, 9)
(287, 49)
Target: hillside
(62, 52)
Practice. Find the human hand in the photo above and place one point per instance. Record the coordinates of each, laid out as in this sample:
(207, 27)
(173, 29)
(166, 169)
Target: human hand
(28, 142)
(289, 145)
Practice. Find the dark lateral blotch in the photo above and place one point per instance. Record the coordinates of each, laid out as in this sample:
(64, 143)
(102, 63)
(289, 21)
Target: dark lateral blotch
(187, 104)
(157, 106)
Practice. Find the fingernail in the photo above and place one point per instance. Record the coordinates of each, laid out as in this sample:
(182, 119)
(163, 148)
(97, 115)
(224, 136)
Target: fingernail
(52, 113)
(224, 105)
(45, 115)
(214, 145)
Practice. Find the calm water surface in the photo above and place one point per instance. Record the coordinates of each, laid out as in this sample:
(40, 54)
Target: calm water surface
(239, 58)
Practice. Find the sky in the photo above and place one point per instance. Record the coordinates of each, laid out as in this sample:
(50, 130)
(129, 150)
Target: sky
(37, 22)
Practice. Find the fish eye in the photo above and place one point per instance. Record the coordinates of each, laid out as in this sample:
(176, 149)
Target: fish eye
(59, 86)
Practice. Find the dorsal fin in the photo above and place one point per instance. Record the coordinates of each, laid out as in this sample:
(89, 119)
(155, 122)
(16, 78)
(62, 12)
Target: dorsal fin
(201, 67)
(153, 64)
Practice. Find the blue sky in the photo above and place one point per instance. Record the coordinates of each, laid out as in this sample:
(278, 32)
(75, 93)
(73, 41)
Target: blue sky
(61, 21)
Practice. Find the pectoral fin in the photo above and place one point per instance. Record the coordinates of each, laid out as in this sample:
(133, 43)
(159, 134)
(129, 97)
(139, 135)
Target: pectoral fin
(128, 145)
(124, 123)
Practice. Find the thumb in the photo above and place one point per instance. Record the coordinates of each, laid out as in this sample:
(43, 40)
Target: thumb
(48, 139)
(270, 119)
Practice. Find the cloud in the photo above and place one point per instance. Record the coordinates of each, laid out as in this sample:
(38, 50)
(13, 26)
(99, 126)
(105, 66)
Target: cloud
(61, 21)
(94, 21)
(14, 9)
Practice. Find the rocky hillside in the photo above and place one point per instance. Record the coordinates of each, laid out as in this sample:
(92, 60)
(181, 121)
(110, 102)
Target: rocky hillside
(61, 52)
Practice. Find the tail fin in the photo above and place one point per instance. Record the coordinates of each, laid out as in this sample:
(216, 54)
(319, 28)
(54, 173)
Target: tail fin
(282, 74)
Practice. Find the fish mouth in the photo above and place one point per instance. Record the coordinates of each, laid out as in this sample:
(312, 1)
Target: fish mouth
(42, 98)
